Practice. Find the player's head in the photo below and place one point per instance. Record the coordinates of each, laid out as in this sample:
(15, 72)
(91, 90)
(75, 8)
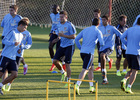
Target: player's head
(63, 16)
(97, 13)
(23, 24)
(13, 10)
(105, 19)
(138, 21)
(55, 9)
(122, 20)
(96, 21)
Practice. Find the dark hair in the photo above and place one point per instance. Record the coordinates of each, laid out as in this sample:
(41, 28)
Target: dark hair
(121, 17)
(97, 10)
(15, 7)
(95, 21)
(23, 22)
(55, 6)
(106, 17)
(64, 12)
(138, 21)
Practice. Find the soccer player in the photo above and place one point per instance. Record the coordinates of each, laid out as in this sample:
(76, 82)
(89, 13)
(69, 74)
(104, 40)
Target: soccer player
(132, 54)
(55, 17)
(97, 14)
(8, 56)
(90, 36)
(135, 22)
(25, 44)
(120, 47)
(10, 21)
(66, 31)
(108, 32)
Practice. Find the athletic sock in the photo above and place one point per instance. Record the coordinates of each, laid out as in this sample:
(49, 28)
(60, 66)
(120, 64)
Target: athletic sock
(91, 83)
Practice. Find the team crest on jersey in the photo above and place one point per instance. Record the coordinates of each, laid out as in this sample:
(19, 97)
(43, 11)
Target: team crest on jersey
(58, 19)
(65, 28)
(108, 31)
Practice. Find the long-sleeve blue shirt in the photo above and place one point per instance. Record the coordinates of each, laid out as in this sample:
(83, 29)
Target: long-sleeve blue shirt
(133, 40)
(8, 23)
(26, 42)
(109, 36)
(10, 50)
(135, 22)
(90, 36)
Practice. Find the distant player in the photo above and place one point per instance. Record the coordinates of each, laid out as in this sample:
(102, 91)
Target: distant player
(97, 14)
(25, 44)
(108, 32)
(89, 36)
(120, 47)
(132, 54)
(8, 56)
(55, 18)
(66, 31)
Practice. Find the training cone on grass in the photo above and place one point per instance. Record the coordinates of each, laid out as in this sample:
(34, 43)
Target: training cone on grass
(54, 72)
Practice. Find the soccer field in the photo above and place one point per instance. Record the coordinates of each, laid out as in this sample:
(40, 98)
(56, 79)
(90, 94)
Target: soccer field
(33, 85)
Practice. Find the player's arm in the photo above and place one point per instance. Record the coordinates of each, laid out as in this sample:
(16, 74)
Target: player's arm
(29, 43)
(123, 37)
(117, 32)
(100, 38)
(78, 37)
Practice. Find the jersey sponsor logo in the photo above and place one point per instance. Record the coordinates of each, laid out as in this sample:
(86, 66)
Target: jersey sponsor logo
(106, 35)
(14, 23)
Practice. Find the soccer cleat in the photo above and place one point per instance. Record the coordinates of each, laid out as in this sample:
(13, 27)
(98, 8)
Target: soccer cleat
(124, 73)
(1, 90)
(110, 63)
(64, 67)
(25, 70)
(53, 66)
(128, 90)
(66, 85)
(92, 89)
(123, 84)
(7, 87)
(77, 90)
(97, 69)
(118, 73)
(63, 76)
(104, 82)
(3, 87)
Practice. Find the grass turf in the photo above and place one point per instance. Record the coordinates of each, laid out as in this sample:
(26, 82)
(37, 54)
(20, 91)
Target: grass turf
(33, 85)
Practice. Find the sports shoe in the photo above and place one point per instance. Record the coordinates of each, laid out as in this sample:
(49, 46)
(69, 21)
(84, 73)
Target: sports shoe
(92, 89)
(128, 90)
(77, 89)
(124, 73)
(66, 85)
(7, 87)
(53, 66)
(104, 82)
(25, 69)
(1, 90)
(3, 87)
(118, 73)
(63, 76)
(97, 69)
(64, 67)
(123, 84)
(110, 63)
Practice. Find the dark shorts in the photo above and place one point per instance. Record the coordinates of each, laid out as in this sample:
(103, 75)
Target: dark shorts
(3, 45)
(6, 63)
(107, 51)
(53, 36)
(87, 60)
(133, 61)
(67, 52)
(98, 45)
(18, 60)
(118, 55)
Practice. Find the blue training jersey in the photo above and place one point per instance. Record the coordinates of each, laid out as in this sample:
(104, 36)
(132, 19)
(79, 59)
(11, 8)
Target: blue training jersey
(109, 36)
(55, 18)
(68, 29)
(135, 22)
(133, 40)
(90, 36)
(8, 23)
(10, 50)
(26, 42)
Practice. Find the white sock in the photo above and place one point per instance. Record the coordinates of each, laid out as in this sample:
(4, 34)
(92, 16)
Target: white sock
(105, 79)
(63, 62)
(25, 65)
(104, 70)
(125, 79)
(124, 70)
(91, 83)
(129, 86)
(9, 84)
(1, 84)
(108, 59)
(79, 83)
(99, 64)
(118, 70)
(62, 71)
(68, 78)
(52, 60)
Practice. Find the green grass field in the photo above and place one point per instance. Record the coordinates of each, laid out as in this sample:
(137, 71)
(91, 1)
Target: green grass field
(33, 85)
